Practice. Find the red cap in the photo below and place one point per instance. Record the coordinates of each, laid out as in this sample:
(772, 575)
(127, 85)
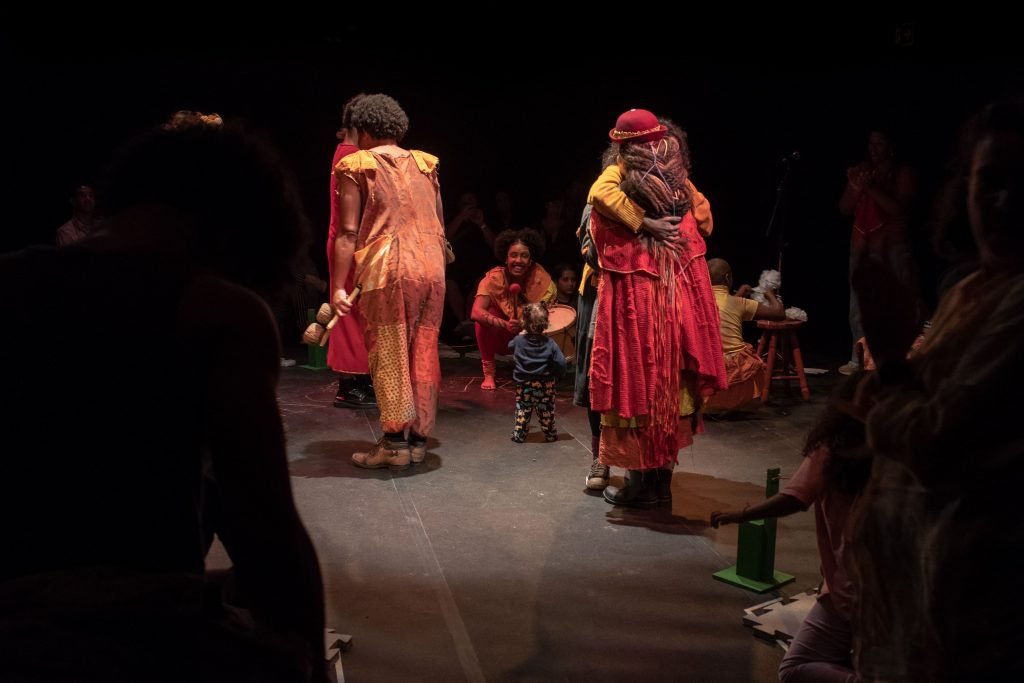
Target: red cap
(637, 125)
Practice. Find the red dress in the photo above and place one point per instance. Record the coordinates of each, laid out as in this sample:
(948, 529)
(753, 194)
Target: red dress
(657, 333)
(346, 350)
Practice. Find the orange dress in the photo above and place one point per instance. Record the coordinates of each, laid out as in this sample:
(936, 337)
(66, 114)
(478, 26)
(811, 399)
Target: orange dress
(400, 263)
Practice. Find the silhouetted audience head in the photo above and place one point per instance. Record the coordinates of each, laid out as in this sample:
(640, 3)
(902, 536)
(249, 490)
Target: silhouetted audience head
(234, 196)
(995, 190)
(881, 144)
(82, 196)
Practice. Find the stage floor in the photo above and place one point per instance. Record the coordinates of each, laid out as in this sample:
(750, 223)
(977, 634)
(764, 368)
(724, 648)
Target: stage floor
(491, 561)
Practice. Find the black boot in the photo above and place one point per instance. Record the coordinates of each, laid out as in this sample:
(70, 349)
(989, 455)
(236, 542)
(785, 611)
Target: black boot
(639, 491)
(355, 391)
(663, 485)
(344, 384)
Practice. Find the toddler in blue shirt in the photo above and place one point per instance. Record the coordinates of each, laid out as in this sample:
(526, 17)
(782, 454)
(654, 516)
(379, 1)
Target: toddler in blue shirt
(539, 362)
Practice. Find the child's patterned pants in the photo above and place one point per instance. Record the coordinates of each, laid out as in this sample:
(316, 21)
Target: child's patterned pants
(539, 394)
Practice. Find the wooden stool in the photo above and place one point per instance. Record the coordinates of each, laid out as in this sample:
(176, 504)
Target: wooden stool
(792, 359)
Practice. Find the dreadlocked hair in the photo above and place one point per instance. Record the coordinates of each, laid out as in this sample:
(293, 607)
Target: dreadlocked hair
(674, 131)
(655, 176)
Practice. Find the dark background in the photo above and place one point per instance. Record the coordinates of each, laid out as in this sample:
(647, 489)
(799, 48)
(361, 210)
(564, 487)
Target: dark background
(531, 115)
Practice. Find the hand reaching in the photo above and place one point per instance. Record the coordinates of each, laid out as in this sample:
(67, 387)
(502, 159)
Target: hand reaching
(728, 517)
(663, 229)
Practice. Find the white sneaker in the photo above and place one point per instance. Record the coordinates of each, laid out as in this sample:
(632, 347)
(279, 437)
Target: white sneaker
(287, 362)
(849, 368)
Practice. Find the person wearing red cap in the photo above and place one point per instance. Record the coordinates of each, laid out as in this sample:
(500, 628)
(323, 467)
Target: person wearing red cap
(615, 203)
(496, 309)
(655, 357)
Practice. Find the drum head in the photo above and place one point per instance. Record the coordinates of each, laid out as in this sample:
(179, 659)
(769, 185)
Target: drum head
(560, 317)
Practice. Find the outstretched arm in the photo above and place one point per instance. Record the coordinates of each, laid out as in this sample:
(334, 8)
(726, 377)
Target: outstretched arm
(779, 505)
(805, 486)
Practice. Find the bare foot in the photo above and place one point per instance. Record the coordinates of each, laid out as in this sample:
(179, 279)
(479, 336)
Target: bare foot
(488, 383)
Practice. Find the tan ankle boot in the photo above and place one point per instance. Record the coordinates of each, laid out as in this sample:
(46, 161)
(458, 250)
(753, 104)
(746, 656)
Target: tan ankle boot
(395, 456)
(488, 383)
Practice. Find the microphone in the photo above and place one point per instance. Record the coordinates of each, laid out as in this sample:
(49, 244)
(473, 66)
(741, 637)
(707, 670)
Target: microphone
(514, 289)
(791, 157)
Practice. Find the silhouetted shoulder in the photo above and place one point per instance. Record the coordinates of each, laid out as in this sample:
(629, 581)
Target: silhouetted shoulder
(237, 323)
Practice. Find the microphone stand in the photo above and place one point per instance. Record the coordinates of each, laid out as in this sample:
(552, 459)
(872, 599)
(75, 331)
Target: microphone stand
(787, 166)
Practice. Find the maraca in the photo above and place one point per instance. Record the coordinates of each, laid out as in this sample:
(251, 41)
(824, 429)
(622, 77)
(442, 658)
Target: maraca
(513, 290)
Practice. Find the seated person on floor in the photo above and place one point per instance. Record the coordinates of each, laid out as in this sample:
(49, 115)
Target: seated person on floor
(744, 369)
(504, 290)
